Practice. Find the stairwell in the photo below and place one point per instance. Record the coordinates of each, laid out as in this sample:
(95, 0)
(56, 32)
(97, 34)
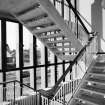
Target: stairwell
(44, 21)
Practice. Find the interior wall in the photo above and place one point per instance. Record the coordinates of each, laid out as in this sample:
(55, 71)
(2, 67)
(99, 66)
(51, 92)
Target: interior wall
(97, 22)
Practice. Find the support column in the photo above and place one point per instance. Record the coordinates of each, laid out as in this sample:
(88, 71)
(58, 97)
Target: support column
(21, 55)
(1, 87)
(35, 60)
(55, 69)
(3, 53)
(1, 78)
(46, 67)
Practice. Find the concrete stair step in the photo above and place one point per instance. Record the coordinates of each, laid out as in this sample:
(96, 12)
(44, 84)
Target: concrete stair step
(44, 30)
(91, 97)
(93, 89)
(78, 101)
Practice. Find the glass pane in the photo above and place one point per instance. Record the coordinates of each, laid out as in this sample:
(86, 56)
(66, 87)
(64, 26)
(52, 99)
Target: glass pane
(38, 78)
(59, 71)
(28, 47)
(51, 77)
(12, 44)
(50, 57)
(10, 76)
(66, 12)
(40, 53)
(59, 60)
(58, 7)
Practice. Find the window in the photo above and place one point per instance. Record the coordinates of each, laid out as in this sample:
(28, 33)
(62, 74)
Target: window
(27, 48)
(12, 34)
(38, 77)
(40, 53)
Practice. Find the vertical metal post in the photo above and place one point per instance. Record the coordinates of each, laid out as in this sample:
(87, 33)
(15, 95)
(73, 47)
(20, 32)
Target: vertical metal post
(46, 67)
(76, 19)
(14, 92)
(21, 56)
(3, 48)
(54, 2)
(35, 60)
(63, 65)
(55, 69)
(55, 58)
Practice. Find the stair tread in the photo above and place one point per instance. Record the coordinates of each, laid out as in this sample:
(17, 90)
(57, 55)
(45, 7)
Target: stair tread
(33, 14)
(68, 57)
(97, 74)
(64, 46)
(35, 18)
(99, 64)
(44, 30)
(96, 81)
(44, 22)
(27, 10)
(60, 41)
(98, 70)
(79, 101)
(52, 35)
(92, 98)
(94, 90)
(69, 51)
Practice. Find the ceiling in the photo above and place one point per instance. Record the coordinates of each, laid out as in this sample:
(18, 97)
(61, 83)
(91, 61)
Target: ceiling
(5, 9)
(6, 4)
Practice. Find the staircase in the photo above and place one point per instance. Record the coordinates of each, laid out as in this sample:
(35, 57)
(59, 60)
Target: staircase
(91, 90)
(42, 19)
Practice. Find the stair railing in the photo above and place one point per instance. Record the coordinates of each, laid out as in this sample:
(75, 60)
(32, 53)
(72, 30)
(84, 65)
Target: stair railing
(67, 88)
(85, 61)
(85, 56)
(80, 64)
(12, 95)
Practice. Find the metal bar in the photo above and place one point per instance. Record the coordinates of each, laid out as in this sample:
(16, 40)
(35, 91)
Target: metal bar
(46, 67)
(71, 64)
(14, 92)
(55, 69)
(21, 55)
(3, 47)
(25, 85)
(63, 67)
(38, 66)
(35, 60)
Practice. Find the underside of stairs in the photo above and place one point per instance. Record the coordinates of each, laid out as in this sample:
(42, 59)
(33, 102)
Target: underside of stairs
(91, 90)
(42, 19)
